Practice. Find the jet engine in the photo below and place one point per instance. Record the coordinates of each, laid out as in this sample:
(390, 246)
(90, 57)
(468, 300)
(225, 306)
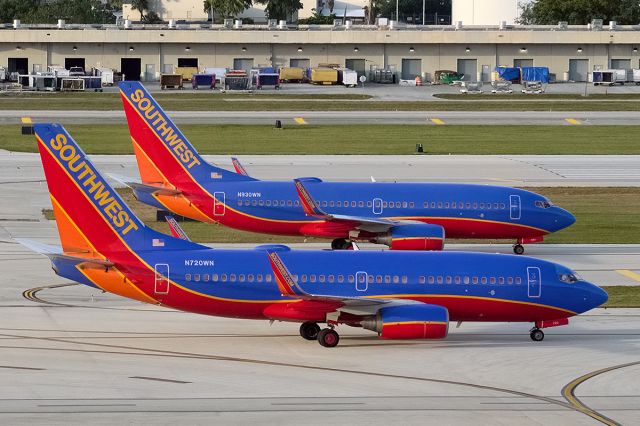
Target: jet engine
(419, 236)
(414, 321)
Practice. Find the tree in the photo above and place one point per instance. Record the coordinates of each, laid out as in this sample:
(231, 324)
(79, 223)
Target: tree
(579, 12)
(281, 9)
(209, 6)
(140, 6)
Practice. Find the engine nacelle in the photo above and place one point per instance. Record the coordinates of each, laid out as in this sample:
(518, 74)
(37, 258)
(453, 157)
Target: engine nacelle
(419, 321)
(419, 236)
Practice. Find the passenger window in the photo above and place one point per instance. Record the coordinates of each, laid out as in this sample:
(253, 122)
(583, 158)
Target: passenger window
(304, 278)
(392, 204)
(502, 206)
(261, 203)
(353, 204)
(458, 279)
(267, 278)
(439, 279)
(475, 206)
(422, 280)
(369, 204)
(482, 205)
(465, 279)
(510, 280)
(379, 279)
(431, 279)
(289, 203)
(492, 280)
(241, 278)
(446, 205)
(468, 205)
(453, 205)
(495, 206)
(425, 204)
(433, 204)
(259, 278)
(385, 204)
(331, 278)
(232, 278)
(518, 280)
(214, 277)
(439, 204)
(239, 202)
(404, 204)
(475, 280)
(268, 203)
(483, 280)
(360, 203)
(321, 278)
(254, 202)
(324, 204)
(340, 278)
(223, 278)
(448, 279)
(296, 203)
(250, 278)
(351, 279)
(488, 206)
(396, 279)
(332, 203)
(387, 279)
(187, 277)
(339, 203)
(205, 278)
(312, 278)
(501, 280)
(411, 204)
(370, 279)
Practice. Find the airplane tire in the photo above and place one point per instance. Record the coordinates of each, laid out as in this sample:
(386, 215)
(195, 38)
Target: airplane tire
(537, 335)
(309, 330)
(339, 244)
(328, 338)
(518, 249)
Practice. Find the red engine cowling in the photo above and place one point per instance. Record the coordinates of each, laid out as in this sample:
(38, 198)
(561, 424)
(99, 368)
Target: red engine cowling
(419, 236)
(419, 321)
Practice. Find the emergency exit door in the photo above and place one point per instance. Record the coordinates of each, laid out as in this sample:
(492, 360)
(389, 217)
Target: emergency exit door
(534, 282)
(514, 207)
(162, 278)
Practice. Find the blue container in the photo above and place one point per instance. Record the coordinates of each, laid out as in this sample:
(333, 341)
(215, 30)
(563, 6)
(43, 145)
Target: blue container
(205, 80)
(92, 83)
(270, 79)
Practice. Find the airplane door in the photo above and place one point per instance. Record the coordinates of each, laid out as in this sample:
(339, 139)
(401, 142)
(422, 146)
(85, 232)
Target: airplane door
(361, 281)
(377, 206)
(514, 207)
(218, 203)
(162, 278)
(534, 281)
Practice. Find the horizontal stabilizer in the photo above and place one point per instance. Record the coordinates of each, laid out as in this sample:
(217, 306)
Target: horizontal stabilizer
(144, 187)
(56, 253)
(176, 229)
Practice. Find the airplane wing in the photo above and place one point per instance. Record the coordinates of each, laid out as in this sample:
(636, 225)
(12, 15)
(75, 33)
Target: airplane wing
(352, 305)
(239, 167)
(175, 229)
(157, 189)
(370, 224)
(56, 252)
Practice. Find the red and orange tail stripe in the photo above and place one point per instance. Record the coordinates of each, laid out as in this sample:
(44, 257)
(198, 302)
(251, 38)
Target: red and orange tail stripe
(284, 280)
(308, 204)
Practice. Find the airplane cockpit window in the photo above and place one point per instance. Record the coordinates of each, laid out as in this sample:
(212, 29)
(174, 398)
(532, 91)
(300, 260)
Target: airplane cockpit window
(569, 278)
(543, 204)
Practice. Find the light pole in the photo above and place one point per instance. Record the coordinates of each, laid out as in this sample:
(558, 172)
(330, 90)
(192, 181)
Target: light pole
(423, 10)
(397, 19)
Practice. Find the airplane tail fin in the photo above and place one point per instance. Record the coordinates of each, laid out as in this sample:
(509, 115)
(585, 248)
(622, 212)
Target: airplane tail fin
(93, 220)
(165, 156)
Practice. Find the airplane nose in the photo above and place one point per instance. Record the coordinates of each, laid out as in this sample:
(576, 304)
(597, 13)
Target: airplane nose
(596, 296)
(564, 219)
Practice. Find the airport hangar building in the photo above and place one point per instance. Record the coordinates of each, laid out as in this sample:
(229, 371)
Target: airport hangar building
(144, 52)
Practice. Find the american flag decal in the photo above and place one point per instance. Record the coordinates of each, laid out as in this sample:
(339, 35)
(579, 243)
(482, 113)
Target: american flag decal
(157, 242)
(216, 175)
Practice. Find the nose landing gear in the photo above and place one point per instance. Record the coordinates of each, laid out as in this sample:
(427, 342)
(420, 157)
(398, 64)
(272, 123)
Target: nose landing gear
(341, 244)
(518, 248)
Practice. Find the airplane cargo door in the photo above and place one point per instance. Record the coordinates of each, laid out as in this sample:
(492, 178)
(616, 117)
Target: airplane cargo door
(218, 203)
(514, 207)
(533, 280)
(162, 278)
(377, 206)
(361, 281)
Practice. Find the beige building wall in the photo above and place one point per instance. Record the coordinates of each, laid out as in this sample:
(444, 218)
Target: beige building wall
(218, 48)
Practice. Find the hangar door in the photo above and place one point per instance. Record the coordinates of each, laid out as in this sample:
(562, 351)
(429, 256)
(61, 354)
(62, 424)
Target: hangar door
(299, 63)
(74, 62)
(358, 65)
(243, 64)
(468, 67)
(19, 65)
(519, 63)
(578, 69)
(621, 64)
(411, 68)
(131, 68)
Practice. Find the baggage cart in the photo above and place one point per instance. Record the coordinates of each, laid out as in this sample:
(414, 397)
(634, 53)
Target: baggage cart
(636, 77)
(92, 83)
(532, 87)
(106, 75)
(348, 77)
(603, 78)
(236, 82)
(170, 81)
(219, 73)
(72, 84)
(382, 76)
(46, 82)
(207, 81)
(471, 88)
(448, 77)
(501, 87)
(3, 74)
(260, 79)
(186, 72)
(326, 76)
(292, 74)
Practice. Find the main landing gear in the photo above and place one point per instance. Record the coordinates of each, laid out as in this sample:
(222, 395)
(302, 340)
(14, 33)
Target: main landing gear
(327, 337)
(341, 244)
(518, 248)
(309, 330)
(536, 334)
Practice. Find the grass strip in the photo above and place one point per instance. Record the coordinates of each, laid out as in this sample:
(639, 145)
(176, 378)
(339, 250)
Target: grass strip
(622, 296)
(361, 139)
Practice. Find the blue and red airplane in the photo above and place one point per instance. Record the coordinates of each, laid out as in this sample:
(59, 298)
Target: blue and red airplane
(404, 216)
(399, 295)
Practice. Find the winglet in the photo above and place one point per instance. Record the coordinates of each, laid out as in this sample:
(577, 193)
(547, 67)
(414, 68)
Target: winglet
(175, 229)
(310, 206)
(239, 167)
(284, 279)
